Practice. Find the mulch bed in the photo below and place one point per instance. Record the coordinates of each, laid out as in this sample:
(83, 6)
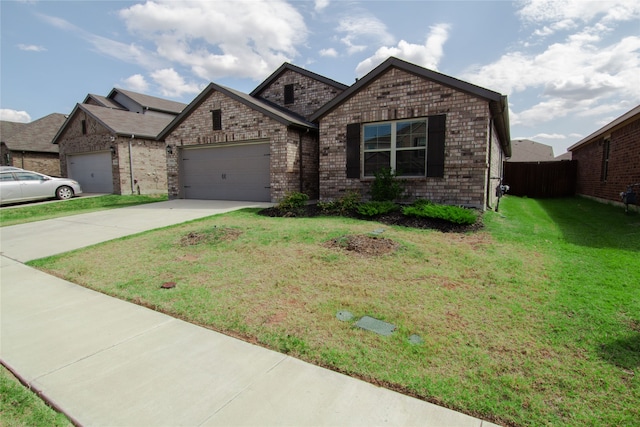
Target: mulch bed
(393, 218)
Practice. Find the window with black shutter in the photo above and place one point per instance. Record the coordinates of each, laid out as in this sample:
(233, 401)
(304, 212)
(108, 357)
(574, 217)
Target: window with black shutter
(288, 94)
(412, 148)
(216, 116)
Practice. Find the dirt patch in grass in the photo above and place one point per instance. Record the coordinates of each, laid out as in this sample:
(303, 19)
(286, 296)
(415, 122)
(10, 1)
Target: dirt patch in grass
(363, 244)
(217, 234)
(391, 218)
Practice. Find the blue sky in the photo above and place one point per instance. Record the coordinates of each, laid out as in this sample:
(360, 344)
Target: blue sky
(568, 67)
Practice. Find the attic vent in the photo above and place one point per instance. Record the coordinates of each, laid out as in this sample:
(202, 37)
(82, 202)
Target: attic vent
(288, 94)
(216, 116)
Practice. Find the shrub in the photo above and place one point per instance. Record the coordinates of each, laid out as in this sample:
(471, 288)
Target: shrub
(454, 214)
(346, 204)
(386, 186)
(375, 208)
(293, 203)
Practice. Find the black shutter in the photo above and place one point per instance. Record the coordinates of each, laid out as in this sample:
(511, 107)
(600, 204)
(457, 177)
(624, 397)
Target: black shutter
(353, 150)
(288, 94)
(216, 115)
(435, 146)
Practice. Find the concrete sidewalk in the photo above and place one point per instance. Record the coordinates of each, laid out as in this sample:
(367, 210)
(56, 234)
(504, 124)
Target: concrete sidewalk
(104, 361)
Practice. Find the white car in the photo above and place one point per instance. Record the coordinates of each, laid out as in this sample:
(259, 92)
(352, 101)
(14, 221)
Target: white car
(23, 186)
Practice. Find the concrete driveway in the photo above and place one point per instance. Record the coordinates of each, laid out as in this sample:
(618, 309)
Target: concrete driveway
(35, 240)
(103, 361)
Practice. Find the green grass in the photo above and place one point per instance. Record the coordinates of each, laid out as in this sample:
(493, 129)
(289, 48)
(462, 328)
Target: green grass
(37, 212)
(533, 321)
(19, 407)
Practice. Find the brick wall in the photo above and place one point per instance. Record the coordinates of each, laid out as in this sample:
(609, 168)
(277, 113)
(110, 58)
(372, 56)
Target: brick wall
(46, 163)
(309, 94)
(624, 163)
(241, 123)
(149, 156)
(397, 95)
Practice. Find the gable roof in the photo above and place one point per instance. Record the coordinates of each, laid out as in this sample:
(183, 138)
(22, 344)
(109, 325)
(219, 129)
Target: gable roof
(8, 129)
(36, 136)
(287, 66)
(497, 102)
(121, 122)
(525, 150)
(149, 102)
(103, 101)
(285, 117)
(631, 115)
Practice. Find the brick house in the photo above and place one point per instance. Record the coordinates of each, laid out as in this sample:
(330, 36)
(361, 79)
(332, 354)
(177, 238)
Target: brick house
(258, 147)
(110, 144)
(609, 159)
(447, 138)
(29, 145)
(299, 131)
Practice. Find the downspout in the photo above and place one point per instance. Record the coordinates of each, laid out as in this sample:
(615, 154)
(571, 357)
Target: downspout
(489, 171)
(300, 160)
(131, 165)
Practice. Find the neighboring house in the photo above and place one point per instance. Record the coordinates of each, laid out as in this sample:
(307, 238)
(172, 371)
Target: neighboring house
(447, 138)
(299, 131)
(258, 147)
(29, 145)
(524, 150)
(609, 159)
(110, 144)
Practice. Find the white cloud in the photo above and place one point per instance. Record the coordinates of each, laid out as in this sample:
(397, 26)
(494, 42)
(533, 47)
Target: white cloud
(14, 116)
(363, 31)
(427, 55)
(331, 52)
(565, 14)
(172, 84)
(220, 38)
(547, 136)
(31, 48)
(573, 76)
(136, 83)
(321, 5)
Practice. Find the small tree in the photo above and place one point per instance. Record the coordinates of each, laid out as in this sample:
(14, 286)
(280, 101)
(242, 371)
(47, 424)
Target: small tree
(386, 186)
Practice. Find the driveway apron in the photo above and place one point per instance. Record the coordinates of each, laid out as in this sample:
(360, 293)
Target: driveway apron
(103, 361)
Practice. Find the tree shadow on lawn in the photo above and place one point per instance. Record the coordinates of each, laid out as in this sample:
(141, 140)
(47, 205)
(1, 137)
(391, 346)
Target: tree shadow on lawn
(589, 223)
(622, 352)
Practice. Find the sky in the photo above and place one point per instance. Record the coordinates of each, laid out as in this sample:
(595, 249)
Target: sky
(567, 67)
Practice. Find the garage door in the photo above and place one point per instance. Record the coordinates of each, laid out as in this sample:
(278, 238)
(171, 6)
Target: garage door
(93, 171)
(236, 172)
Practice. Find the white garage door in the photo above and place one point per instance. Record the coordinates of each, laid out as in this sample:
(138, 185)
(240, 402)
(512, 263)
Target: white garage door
(236, 172)
(93, 171)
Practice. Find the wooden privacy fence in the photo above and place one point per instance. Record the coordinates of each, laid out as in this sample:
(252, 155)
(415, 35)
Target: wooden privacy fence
(541, 179)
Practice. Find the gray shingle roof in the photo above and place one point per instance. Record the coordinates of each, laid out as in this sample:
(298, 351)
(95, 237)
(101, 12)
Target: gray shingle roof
(126, 123)
(37, 136)
(524, 150)
(104, 101)
(151, 102)
(8, 129)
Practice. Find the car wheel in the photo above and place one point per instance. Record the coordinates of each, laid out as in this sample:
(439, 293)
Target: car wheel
(64, 192)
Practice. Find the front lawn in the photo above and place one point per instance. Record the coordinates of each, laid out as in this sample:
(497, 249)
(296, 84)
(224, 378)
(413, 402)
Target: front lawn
(20, 214)
(535, 320)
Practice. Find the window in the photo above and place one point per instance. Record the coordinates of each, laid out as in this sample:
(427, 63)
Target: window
(216, 116)
(412, 148)
(605, 160)
(288, 94)
(84, 127)
(401, 146)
